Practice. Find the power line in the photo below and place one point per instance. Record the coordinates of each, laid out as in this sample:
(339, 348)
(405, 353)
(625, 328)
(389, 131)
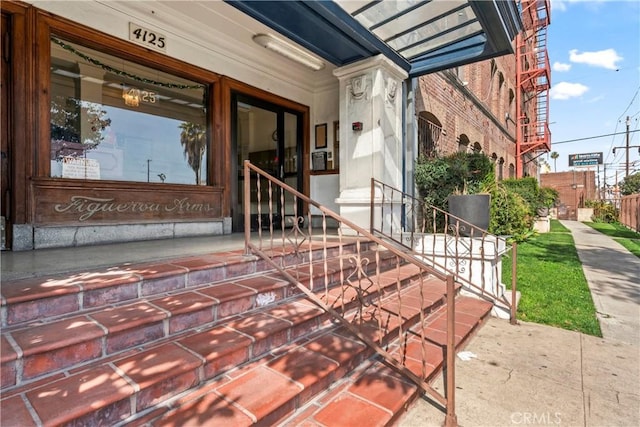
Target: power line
(620, 118)
(593, 137)
(630, 103)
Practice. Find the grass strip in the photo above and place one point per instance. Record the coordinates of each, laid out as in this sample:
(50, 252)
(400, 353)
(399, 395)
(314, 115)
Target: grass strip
(621, 234)
(557, 227)
(552, 284)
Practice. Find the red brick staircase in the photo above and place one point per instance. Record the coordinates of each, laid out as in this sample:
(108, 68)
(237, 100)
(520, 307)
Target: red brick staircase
(221, 339)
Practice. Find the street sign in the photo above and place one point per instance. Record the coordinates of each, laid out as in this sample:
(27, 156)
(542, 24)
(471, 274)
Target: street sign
(585, 159)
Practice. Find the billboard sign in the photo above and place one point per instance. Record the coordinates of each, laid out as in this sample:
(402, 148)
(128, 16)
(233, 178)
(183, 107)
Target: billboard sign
(585, 159)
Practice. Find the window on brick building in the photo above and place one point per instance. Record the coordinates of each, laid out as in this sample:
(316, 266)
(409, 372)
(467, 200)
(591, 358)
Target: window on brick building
(429, 132)
(463, 143)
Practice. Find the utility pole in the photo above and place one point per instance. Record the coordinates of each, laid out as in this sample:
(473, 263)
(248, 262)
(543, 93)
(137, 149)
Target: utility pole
(598, 183)
(627, 168)
(627, 147)
(604, 182)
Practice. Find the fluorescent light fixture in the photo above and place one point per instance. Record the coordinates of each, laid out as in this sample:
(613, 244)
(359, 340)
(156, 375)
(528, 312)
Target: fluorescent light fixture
(289, 51)
(92, 80)
(66, 73)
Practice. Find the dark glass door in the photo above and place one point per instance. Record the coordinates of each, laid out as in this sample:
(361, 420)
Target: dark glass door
(269, 136)
(5, 154)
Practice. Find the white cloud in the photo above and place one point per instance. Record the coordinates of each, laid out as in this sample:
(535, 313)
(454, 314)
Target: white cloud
(560, 66)
(603, 58)
(558, 6)
(566, 90)
(563, 5)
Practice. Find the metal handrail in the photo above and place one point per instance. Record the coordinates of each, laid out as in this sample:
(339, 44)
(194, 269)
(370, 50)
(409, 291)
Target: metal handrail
(455, 243)
(280, 226)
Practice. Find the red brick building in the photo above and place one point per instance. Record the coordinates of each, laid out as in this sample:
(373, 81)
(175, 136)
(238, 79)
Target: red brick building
(574, 188)
(472, 108)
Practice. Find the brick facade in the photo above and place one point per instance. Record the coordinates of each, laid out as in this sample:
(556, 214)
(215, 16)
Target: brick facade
(475, 105)
(574, 188)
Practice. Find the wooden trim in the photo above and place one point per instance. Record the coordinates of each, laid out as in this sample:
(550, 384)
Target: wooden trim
(80, 202)
(32, 29)
(22, 120)
(42, 99)
(327, 172)
(229, 85)
(106, 43)
(48, 25)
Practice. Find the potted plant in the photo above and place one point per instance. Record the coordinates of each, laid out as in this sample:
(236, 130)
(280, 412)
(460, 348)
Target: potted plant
(458, 183)
(547, 197)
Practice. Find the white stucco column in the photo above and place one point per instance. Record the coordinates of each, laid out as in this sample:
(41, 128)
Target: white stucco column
(370, 93)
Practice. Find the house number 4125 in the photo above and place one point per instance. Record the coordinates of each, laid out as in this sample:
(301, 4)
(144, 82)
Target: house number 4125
(147, 37)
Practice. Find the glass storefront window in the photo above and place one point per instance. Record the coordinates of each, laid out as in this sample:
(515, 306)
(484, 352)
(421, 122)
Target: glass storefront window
(113, 119)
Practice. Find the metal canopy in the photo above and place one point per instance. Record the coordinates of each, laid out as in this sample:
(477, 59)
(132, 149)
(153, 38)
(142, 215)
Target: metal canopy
(421, 36)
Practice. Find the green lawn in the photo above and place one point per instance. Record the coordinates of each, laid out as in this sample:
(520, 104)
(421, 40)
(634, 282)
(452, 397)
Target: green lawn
(552, 283)
(557, 227)
(621, 234)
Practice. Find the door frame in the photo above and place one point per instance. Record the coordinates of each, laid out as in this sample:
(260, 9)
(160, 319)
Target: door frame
(232, 87)
(279, 169)
(18, 118)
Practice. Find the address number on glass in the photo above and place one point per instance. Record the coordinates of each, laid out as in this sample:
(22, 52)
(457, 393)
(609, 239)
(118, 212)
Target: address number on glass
(146, 37)
(133, 96)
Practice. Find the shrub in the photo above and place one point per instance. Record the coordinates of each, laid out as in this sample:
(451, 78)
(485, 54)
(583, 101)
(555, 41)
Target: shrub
(432, 177)
(466, 173)
(528, 189)
(509, 212)
(547, 197)
(470, 173)
(630, 184)
(603, 211)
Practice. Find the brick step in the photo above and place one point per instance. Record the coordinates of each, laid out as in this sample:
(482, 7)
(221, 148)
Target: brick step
(36, 350)
(41, 299)
(326, 379)
(137, 382)
(376, 395)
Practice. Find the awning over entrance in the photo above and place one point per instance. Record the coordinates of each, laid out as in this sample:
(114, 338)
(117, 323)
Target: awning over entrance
(420, 36)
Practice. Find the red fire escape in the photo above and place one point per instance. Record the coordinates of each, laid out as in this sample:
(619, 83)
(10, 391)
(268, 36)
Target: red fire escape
(533, 81)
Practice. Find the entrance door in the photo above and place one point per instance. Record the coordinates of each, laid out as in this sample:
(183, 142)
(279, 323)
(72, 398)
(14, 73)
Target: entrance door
(5, 154)
(270, 136)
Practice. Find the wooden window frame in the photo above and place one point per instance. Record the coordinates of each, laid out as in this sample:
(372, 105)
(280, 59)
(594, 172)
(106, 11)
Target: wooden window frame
(48, 25)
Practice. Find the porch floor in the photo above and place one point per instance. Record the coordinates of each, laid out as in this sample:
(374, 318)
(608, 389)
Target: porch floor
(45, 262)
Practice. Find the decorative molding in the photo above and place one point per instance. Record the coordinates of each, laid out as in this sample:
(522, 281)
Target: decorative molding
(358, 87)
(391, 88)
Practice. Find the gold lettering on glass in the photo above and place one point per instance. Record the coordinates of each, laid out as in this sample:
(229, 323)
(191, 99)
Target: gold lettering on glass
(86, 207)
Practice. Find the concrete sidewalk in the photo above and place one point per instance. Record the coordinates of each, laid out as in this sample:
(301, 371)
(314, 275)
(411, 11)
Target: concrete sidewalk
(533, 374)
(613, 274)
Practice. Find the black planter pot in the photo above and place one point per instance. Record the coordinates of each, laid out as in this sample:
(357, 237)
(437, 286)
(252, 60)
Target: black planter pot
(543, 212)
(472, 208)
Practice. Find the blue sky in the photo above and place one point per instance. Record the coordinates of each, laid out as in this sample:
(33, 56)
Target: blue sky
(594, 52)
